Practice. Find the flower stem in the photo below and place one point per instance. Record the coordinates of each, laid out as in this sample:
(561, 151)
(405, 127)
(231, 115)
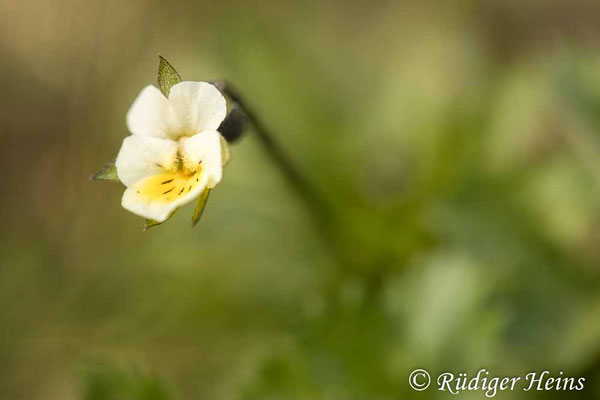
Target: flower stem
(314, 202)
(321, 211)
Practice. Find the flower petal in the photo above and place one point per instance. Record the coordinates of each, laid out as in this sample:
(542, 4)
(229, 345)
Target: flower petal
(149, 114)
(196, 107)
(204, 149)
(142, 156)
(156, 197)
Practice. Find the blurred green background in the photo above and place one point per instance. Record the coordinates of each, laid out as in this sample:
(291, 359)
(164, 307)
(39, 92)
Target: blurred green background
(457, 145)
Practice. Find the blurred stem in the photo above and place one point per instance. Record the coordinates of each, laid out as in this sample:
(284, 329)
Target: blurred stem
(313, 201)
(322, 213)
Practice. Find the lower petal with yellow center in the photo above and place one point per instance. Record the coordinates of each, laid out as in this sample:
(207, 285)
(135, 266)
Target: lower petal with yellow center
(157, 197)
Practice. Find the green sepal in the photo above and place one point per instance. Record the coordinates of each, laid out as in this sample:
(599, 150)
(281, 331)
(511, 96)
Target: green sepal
(167, 76)
(150, 223)
(106, 173)
(200, 205)
(225, 154)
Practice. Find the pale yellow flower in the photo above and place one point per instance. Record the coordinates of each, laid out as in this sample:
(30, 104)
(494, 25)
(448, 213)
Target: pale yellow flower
(174, 152)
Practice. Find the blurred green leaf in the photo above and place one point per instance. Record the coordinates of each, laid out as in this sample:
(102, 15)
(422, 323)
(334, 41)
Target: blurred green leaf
(580, 89)
(103, 382)
(167, 76)
(200, 207)
(107, 173)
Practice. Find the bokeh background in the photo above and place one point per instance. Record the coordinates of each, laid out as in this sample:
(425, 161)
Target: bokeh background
(455, 144)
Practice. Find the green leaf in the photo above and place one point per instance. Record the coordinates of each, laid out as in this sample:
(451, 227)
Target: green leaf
(225, 154)
(200, 206)
(107, 173)
(150, 223)
(167, 76)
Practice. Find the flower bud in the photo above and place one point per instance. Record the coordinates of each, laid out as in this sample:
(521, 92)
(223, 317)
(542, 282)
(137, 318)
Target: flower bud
(234, 124)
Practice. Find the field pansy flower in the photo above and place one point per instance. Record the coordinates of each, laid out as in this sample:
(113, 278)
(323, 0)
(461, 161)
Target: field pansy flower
(174, 152)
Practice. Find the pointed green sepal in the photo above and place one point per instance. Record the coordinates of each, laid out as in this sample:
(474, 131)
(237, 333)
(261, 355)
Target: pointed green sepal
(107, 173)
(150, 223)
(167, 76)
(200, 206)
(225, 154)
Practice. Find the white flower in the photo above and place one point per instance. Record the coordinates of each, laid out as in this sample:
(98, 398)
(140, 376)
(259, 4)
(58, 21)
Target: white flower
(174, 152)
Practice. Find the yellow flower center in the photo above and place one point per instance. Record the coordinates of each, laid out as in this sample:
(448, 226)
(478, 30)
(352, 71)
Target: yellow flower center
(176, 180)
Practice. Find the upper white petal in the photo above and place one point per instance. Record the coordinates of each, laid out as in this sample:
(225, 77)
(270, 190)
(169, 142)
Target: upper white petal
(196, 107)
(149, 115)
(205, 149)
(142, 156)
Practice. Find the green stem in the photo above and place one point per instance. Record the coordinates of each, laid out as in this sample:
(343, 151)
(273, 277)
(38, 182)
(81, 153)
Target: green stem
(323, 215)
(314, 202)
